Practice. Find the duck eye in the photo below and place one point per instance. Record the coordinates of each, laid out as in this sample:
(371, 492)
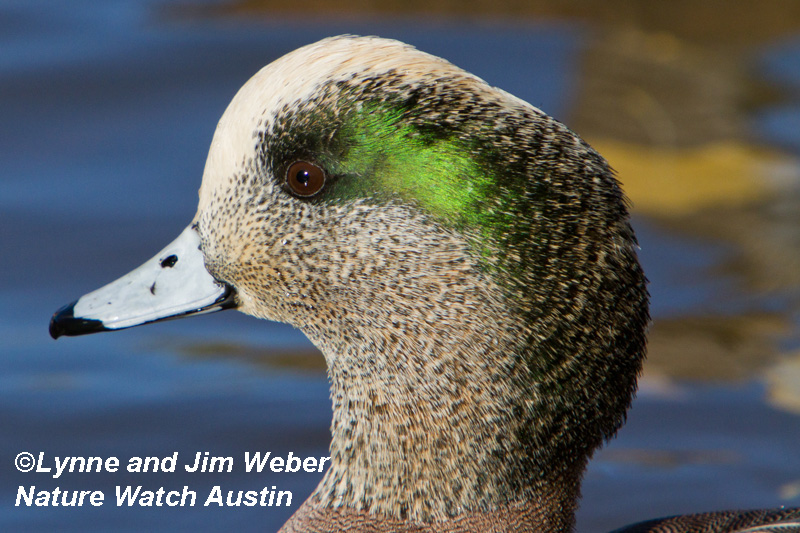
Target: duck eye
(305, 179)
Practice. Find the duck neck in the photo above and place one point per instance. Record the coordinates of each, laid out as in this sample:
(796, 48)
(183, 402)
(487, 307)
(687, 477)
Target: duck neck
(435, 427)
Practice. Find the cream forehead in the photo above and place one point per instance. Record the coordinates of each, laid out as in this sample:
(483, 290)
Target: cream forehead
(295, 77)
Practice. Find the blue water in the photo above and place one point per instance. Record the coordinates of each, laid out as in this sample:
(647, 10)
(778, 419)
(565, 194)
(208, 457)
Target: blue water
(108, 110)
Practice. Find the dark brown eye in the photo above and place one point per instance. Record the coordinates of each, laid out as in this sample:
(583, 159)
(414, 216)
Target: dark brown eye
(305, 179)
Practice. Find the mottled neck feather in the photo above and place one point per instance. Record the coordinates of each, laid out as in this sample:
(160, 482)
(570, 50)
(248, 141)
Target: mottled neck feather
(548, 513)
(434, 414)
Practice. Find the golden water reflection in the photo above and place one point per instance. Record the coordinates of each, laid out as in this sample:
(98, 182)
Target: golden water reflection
(295, 359)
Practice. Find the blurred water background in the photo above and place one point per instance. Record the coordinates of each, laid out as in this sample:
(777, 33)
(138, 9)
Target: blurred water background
(108, 109)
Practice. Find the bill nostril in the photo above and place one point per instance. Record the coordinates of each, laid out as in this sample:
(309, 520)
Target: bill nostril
(169, 261)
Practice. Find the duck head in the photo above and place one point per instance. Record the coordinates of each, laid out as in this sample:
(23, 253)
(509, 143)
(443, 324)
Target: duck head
(464, 262)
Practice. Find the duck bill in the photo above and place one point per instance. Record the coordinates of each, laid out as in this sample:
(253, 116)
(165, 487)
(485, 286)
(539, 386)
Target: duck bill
(173, 284)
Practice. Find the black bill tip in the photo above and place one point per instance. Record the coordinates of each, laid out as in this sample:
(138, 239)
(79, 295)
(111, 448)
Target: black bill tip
(65, 323)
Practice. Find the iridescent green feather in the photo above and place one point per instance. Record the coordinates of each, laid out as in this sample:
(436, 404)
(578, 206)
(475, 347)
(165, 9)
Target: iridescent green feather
(438, 174)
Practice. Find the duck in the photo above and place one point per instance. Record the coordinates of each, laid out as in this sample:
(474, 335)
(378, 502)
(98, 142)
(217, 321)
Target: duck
(465, 263)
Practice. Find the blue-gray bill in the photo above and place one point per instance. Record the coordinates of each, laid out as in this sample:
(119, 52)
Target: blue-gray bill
(173, 284)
